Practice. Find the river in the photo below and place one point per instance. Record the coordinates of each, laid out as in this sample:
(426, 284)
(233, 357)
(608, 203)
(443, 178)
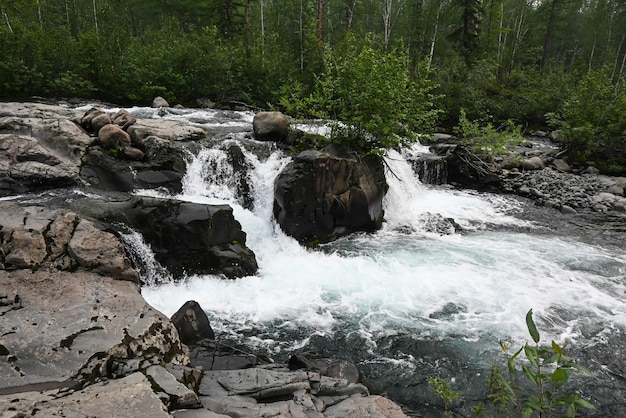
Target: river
(421, 297)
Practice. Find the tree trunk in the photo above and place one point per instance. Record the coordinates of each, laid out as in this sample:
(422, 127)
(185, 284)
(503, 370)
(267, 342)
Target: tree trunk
(248, 30)
(6, 19)
(350, 13)
(386, 9)
(593, 51)
(320, 22)
(547, 44)
(431, 53)
(301, 28)
(39, 15)
(95, 17)
(619, 49)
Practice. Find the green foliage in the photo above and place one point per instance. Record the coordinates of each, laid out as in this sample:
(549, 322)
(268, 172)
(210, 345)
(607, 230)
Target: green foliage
(594, 116)
(546, 370)
(310, 141)
(484, 138)
(372, 94)
(444, 390)
(70, 84)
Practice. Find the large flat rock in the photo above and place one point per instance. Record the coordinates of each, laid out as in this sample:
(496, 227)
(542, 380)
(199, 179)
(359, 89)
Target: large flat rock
(58, 325)
(166, 129)
(131, 396)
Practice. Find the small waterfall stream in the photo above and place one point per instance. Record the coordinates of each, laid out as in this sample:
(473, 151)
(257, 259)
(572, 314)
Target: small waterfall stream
(419, 297)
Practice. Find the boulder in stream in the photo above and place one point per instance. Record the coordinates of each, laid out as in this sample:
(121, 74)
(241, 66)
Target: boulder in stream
(323, 195)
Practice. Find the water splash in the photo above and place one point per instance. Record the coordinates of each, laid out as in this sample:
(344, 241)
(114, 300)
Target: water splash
(402, 279)
(151, 272)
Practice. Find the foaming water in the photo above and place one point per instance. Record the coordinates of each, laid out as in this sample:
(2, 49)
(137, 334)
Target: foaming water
(403, 279)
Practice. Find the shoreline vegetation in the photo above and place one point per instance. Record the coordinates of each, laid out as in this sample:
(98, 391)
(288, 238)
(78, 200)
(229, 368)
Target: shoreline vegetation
(387, 67)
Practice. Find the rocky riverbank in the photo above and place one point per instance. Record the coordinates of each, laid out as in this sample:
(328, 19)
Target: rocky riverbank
(576, 199)
(78, 339)
(76, 336)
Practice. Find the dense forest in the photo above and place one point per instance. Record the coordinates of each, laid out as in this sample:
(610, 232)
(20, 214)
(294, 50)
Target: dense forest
(555, 64)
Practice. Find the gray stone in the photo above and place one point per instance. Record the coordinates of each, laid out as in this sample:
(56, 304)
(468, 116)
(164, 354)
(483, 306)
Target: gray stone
(616, 190)
(568, 210)
(100, 251)
(180, 395)
(254, 383)
(73, 324)
(533, 163)
(41, 110)
(604, 197)
(562, 165)
(64, 325)
(159, 102)
(166, 129)
(197, 413)
(365, 407)
(591, 170)
(36, 154)
(441, 137)
(128, 397)
(270, 126)
(264, 385)
(331, 367)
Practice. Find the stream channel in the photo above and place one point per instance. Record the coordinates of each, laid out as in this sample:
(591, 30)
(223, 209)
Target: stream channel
(419, 297)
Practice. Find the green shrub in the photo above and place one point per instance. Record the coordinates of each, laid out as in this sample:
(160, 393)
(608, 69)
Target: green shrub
(485, 138)
(372, 95)
(594, 116)
(546, 370)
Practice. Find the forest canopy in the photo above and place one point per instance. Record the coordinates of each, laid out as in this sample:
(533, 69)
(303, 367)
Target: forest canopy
(541, 63)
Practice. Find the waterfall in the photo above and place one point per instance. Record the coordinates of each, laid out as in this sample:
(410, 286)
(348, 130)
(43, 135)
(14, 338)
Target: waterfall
(429, 167)
(209, 173)
(415, 295)
(151, 272)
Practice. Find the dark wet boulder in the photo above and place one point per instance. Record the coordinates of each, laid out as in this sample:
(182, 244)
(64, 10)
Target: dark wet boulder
(323, 195)
(162, 165)
(213, 355)
(89, 116)
(187, 238)
(192, 323)
(468, 169)
(241, 170)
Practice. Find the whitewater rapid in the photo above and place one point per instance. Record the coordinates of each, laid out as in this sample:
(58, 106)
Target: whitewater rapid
(472, 285)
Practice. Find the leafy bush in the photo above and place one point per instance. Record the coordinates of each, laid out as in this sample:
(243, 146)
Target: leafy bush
(372, 94)
(594, 116)
(546, 371)
(485, 138)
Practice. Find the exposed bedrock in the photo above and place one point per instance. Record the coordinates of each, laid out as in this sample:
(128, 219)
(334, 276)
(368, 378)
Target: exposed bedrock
(186, 237)
(70, 306)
